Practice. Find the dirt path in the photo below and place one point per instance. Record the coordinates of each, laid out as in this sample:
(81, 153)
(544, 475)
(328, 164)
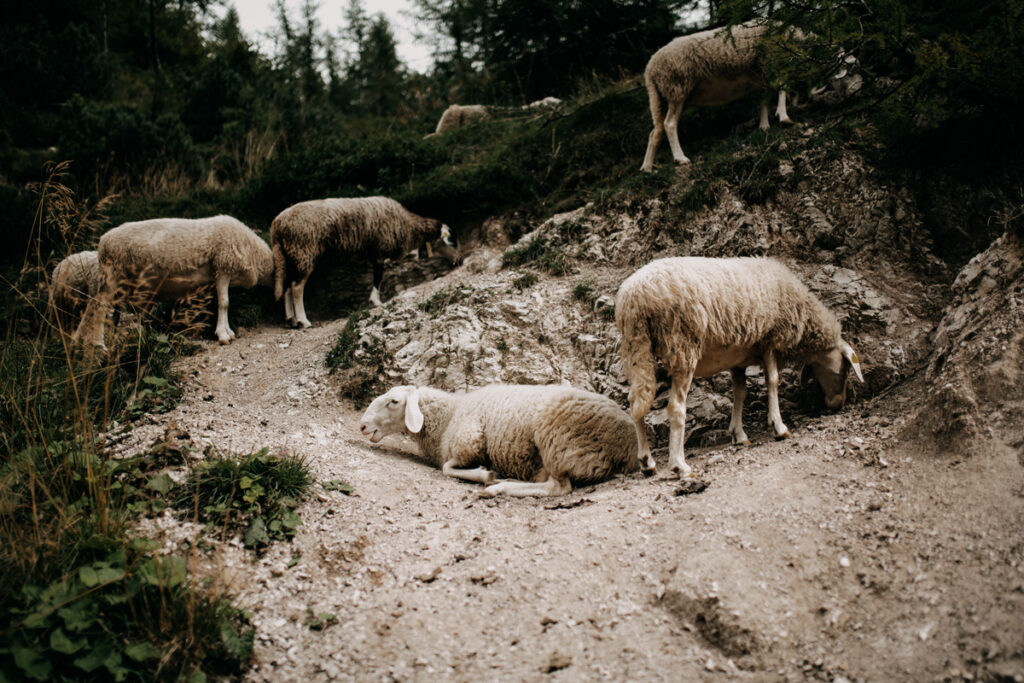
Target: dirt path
(830, 556)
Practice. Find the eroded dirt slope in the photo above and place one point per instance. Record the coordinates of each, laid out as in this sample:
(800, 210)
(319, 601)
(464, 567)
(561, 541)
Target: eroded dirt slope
(836, 554)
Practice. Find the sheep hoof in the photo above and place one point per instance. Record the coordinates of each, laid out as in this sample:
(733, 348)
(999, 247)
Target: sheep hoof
(224, 342)
(649, 471)
(783, 435)
(787, 121)
(487, 493)
(305, 324)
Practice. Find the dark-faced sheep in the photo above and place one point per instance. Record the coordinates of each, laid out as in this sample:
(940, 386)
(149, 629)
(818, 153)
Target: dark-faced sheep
(373, 227)
(701, 316)
(547, 438)
(168, 258)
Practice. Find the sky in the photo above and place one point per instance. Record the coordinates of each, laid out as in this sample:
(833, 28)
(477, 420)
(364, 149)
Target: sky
(258, 17)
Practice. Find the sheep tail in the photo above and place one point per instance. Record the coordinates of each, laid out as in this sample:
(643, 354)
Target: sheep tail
(638, 358)
(279, 268)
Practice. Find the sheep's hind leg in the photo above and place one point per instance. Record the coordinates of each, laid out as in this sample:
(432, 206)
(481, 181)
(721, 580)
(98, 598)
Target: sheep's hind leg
(672, 131)
(739, 394)
(639, 408)
(552, 487)
(378, 277)
(297, 289)
(677, 421)
(771, 379)
(478, 475)
(224, 332)
(653, 142)
(289, 308)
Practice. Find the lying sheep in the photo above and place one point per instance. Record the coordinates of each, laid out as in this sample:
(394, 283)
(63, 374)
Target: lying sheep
(459, 115)
(374, 227)
(709, 68)
(169, 258)
(700, 316)
(74, 281)
(545, 437)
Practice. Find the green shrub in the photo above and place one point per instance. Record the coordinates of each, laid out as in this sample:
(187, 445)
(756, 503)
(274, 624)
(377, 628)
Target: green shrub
(256, 494)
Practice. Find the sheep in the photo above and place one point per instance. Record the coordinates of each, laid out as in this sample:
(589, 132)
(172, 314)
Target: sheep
(74, 281)
(374, 227)
(459, 115)
(547, 438)
(699, 316)
(708, 68)
(170, 257)
(548, 102)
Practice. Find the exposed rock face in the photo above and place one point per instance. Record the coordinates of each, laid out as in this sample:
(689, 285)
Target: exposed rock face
(976, 371)
(858, 241)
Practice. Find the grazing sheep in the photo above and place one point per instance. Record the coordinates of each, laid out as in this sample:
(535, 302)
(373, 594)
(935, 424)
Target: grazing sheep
(546, 437)
(709, 68)
(700, 316)
(375, 227)
(169, 258)
(459, 115)
(74, 281)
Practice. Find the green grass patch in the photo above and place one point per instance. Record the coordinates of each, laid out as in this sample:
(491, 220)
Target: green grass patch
(525, 280)
(255, 494)
(440, 300)
(538, 252)
(358, 362)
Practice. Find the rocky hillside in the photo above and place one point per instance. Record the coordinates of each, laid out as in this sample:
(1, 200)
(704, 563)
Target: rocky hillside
(541, 310)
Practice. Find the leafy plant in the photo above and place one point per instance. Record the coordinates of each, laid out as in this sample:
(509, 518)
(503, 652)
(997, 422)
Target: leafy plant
(255, 494)
(537, 251)
(525, 280)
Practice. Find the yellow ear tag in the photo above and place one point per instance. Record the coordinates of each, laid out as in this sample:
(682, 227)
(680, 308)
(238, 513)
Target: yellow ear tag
(853, 358)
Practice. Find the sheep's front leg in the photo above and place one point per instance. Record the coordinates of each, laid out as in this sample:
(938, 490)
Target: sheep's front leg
(224, 332)
(552, 487)
(739, 394)
(763, 123)
(299, 305)
(672, 131)
(478, 475)
(780, 110)
(677, 421)
(90, 328)
(771, 378)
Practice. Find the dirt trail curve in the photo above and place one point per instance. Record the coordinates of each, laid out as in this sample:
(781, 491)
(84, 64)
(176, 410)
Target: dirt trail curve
(830, 556)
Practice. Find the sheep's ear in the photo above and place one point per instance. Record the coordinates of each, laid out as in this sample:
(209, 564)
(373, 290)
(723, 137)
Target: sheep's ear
(413, 415)
(446, 235)
(851, 355)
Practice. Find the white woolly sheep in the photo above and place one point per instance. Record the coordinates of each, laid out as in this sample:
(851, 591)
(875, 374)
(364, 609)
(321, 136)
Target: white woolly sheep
(459, 115)
(699, 316)
(548, 102)
(169, 258)
(545, 437)
(74, 281)
(708, 68)
(373, 227)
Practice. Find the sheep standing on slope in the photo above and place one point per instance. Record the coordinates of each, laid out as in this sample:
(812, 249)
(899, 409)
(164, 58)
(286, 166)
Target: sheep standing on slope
(700, 316)
(459, 115)
(547, 437)
(375, 227)
(709, 68)
(171, 257)
(74, 281)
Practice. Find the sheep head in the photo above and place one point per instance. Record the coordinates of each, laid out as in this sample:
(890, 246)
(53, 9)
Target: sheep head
(831, 368)
(392, 413)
